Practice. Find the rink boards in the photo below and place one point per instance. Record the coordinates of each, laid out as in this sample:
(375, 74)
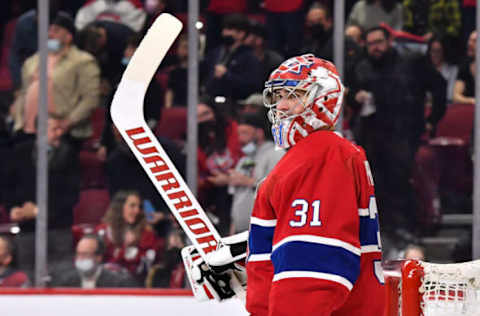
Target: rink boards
(74, 302)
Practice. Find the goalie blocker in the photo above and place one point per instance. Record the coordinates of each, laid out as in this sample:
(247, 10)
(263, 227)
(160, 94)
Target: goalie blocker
(212, 278)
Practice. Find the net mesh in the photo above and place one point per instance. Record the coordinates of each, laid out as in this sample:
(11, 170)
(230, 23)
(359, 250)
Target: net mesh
(451, 289)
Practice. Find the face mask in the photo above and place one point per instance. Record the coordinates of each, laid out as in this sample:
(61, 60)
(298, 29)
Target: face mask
(85, 266)
(125, 60)
(228, 40)
(206, 132)
(54, 45)
(317, 30)
(249, 149)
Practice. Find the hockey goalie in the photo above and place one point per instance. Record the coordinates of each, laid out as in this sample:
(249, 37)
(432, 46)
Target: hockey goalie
(314, 243)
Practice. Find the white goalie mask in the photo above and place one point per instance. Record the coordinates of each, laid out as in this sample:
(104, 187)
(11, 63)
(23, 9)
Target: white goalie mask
(312, 82)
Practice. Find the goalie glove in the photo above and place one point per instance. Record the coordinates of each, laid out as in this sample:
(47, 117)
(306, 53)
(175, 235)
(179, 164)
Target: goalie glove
(222, 275)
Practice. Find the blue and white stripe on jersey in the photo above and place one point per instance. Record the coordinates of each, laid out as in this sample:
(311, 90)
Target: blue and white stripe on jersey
(309, 256)
(369, 231)
(260, 239)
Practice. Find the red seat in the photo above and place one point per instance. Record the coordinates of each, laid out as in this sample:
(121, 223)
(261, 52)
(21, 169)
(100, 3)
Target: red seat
(433, 172)
(173, 124)
(93, 172)
(91, 207)
(98, 121)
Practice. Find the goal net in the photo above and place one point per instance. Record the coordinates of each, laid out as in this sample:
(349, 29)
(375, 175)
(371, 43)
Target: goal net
(421, 288)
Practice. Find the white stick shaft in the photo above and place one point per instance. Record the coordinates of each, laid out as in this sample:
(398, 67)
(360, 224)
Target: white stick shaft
(127, 114)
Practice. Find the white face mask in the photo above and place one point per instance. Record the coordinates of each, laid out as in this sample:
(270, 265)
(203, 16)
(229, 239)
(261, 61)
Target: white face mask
(85, 266)
(54, 45)
(249, 149)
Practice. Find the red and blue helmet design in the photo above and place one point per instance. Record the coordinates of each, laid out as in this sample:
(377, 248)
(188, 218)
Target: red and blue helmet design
(321, 96)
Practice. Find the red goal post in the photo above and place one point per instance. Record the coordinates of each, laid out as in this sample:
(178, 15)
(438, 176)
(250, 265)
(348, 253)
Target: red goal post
(420, 288)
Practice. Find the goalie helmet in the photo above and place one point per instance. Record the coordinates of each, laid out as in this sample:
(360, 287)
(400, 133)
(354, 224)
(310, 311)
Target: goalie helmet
(311, 81)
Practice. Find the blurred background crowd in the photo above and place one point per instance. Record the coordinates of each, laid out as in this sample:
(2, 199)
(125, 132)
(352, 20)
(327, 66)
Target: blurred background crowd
(410, 78)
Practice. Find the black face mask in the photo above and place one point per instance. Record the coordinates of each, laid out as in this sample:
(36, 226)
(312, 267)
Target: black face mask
(206, 133)
(228, 40)
(317, 30)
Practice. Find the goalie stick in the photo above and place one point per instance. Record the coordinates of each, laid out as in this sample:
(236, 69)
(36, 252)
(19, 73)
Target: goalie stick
(127, 115)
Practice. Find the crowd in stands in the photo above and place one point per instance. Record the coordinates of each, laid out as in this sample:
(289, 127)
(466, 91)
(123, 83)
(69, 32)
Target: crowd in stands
(410, 78)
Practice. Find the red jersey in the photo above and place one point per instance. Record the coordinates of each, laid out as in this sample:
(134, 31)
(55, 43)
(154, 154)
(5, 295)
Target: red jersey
(314, 242)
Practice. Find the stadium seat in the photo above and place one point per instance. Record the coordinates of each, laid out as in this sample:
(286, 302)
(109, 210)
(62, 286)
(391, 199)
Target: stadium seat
(93, 172)
(173, 124)
(433, 174)
(91, 207)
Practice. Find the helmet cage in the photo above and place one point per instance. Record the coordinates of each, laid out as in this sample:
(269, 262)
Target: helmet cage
(271, 99)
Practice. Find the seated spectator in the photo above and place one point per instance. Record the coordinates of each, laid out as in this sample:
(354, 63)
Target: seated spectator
(260, 158)
(63, 185)
(218, 152)
(370, 13)
(232, 70)
(130, 241)
(9, 275)
(128, 12)
(133, 177)
(169, 272)
(89, 272)
(437, 57)
(73, 84)
(464, 89)
(178, 77)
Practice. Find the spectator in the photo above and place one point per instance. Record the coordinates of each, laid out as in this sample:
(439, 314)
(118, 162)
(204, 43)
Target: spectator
(152, 101)
(25, 41)
(216, 12)
(177, 79)
(464, 89)
(319, 32)
(130, 241)
(73, 85)
(107, 41)
(232, 70)
(437, 58)
(284, 23)
(9, 275)
(127, 12)
(355, 33)
(260, 158)
(389, 91)
(268, 58)
(169, 273)
(414, 252)
(219, 151)
(89, 272)
(63, 185)
(370, 13)
(426, 18)
(133, 177)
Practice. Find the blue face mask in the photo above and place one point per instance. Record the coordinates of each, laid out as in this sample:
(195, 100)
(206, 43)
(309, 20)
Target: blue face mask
(125, 60)
(54, 45)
